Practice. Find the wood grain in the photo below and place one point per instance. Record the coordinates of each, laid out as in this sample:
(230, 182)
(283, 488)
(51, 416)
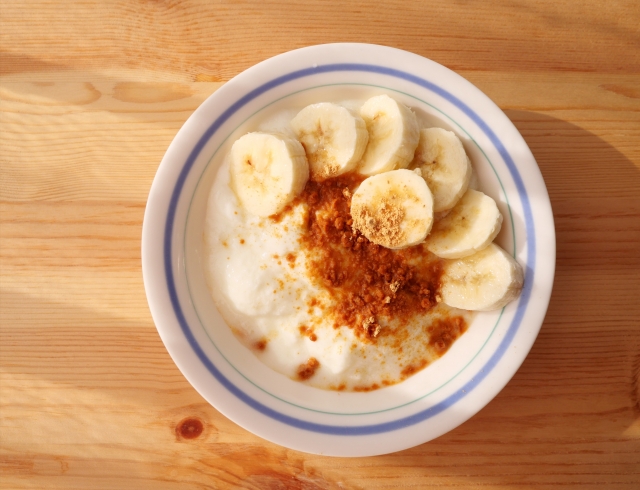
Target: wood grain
(216, 40)
(92, 93)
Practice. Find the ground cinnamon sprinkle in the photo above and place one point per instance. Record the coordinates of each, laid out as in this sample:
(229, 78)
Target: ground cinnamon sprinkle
(308, 332)
(305, 371)
(378, 292)
(413, 368)
(260, 344)
(443, 332)
(368, 282)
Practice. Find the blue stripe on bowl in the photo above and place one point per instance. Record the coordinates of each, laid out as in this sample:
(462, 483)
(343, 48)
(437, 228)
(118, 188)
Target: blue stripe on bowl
(352, 429)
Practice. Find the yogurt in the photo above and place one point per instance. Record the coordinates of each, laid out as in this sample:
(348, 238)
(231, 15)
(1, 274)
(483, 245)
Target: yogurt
(267, 282)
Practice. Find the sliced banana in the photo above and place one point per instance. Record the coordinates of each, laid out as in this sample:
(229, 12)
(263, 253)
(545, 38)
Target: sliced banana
(486, 280)
(267, 171)
(393, 135)
(469, 227)
(333, 137)
(393, 209)
(444, 165)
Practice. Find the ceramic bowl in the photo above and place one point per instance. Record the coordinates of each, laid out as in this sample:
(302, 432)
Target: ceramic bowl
(229, 376)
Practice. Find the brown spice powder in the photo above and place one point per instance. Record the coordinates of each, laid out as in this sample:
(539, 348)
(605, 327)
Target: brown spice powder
(305, 371)
(383, 225)
(376, 291)
(261, 344)
(444, 332)
(368, 282)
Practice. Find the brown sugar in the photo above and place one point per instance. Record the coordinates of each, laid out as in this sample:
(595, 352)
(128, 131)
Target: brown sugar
(413, 368)
(444, 332)
(260, 344)
(383, 225)
(383, 295)
(307, 370)
(365, 280)
(308, 332)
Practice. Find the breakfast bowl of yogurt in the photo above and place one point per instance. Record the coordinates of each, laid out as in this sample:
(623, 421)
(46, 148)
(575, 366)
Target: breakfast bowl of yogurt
(348, 250)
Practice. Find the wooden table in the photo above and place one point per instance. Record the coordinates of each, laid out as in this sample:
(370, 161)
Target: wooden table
(92, 94)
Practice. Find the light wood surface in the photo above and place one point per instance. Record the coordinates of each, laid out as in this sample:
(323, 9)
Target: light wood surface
(92, 94)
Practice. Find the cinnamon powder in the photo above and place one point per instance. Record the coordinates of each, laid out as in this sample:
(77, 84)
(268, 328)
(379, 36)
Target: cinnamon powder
(376, 291)
(368, 282)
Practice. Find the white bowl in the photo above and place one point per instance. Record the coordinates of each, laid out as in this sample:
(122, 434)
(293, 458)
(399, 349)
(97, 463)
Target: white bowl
(229, 376)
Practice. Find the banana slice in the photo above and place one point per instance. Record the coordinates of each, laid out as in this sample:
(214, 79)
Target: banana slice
(393, 209)
(393, 135)
(470, 226)
(267, 171)
(444, 165)
(486, 280)
(333, 138)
